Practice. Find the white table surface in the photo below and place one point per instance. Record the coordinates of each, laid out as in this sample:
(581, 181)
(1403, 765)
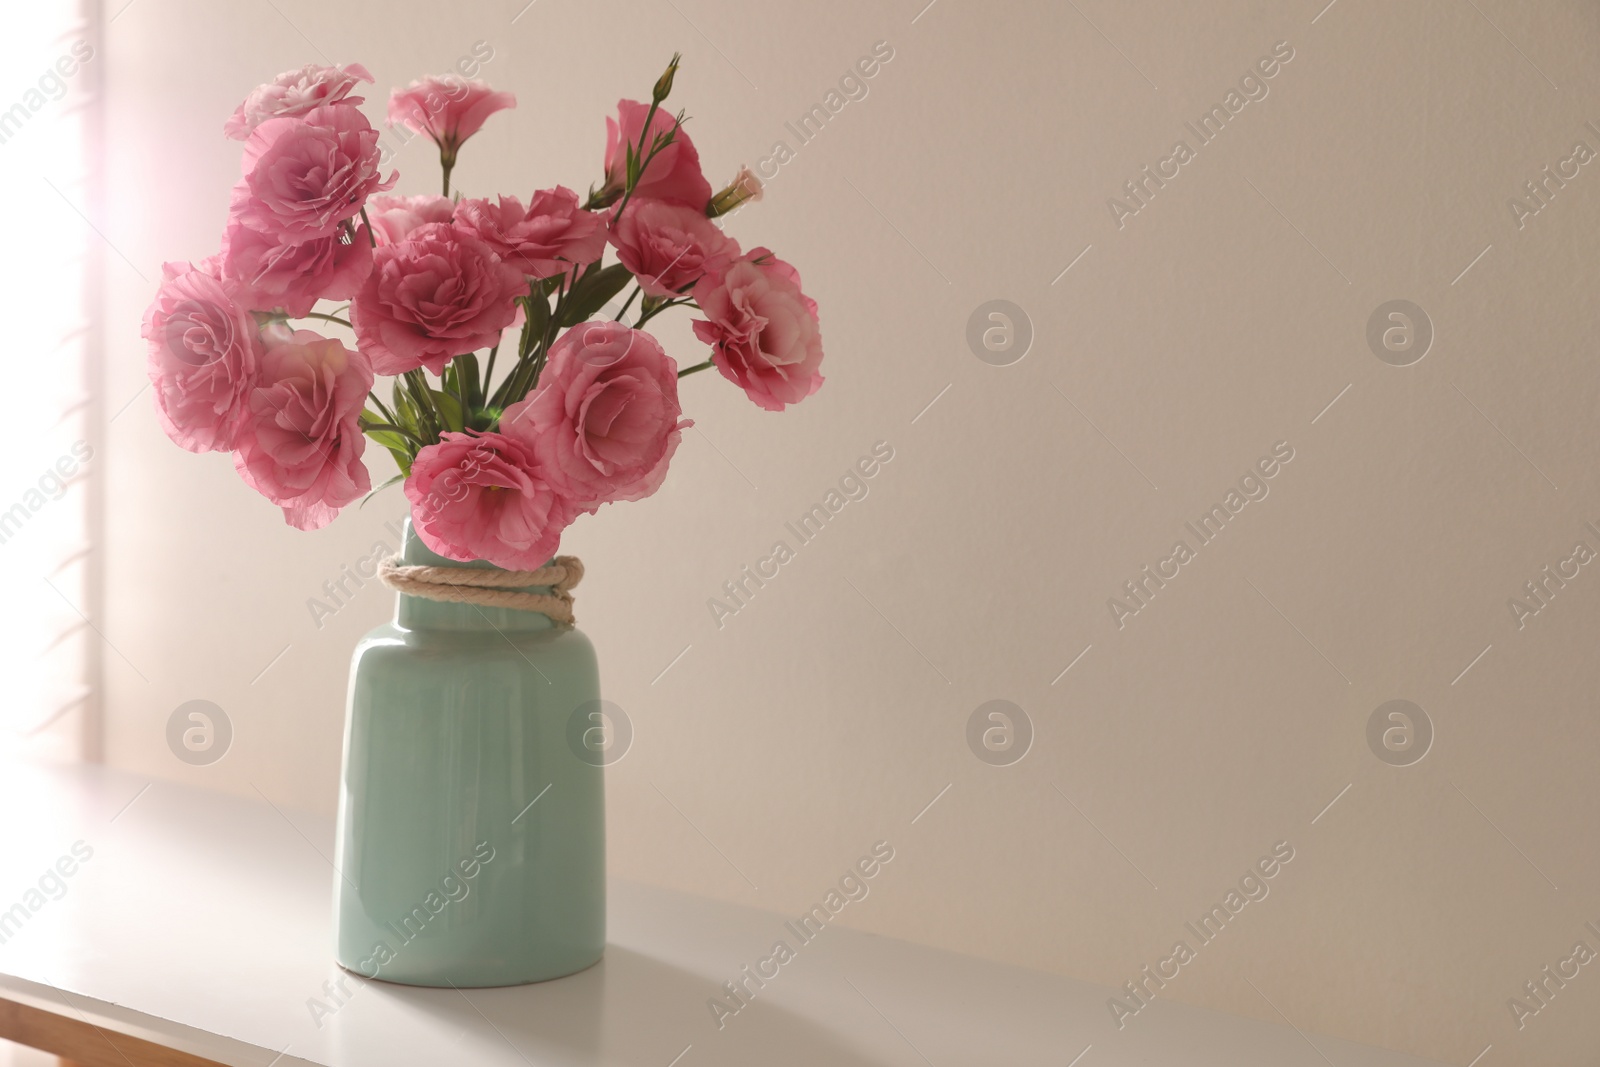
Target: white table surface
(203, 922)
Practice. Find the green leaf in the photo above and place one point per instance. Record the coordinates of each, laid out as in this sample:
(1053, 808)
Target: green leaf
(591, 294)
(466, 374)
(449, 409)
(423, 411)
(482, 419)
(538, 308)
(404, 412)
(398, 445)
(388, 439)
(378, 489)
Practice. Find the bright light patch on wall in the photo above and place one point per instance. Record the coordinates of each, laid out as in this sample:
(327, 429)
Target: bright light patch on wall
(48, 68)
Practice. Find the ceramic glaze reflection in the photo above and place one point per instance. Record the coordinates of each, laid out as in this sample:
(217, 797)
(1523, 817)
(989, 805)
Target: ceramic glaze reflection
(471, 839)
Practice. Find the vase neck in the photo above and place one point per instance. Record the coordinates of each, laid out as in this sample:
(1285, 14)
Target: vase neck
(419, 613)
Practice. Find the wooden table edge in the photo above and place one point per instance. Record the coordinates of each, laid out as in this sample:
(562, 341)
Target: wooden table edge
(83, 1043)
(93, 1033)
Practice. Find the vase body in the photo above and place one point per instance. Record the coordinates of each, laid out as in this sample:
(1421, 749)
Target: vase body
(471, 832)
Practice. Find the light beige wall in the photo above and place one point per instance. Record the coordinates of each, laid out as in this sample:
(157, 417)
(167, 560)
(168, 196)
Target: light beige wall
(1221, 319)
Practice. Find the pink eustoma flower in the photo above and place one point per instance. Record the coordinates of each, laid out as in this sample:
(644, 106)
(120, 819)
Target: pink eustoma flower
(438, 294)
(203, 357)
(668, 247)
(674, 174)
(446, 108)
(304, 176)
(296, 92)
(745, 188)
(269, 274)
(301, 444)
(394, 217)
(551, 236)
(485, 496)
(605, 419)
(762, 329)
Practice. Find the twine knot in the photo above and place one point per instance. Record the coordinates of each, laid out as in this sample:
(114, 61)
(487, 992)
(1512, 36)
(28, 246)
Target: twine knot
(496, 589)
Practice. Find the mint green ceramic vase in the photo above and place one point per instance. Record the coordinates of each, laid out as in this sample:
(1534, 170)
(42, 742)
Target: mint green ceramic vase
(471, 835)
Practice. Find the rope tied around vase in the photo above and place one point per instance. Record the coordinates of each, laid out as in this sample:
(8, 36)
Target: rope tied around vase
(490, 589)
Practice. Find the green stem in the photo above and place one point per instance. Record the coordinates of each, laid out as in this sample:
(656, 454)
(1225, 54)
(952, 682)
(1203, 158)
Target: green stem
(533, 351)
(417, 385)
(649, 117)
(553, 327)
(694, 369)
(631, 298)
(527, 341)
(328, 318)
(655, 148)
(370, 235)
(527, 375)
(488, 371)
(646, 316)
(509, 392)
(461, 398)
(382, 408)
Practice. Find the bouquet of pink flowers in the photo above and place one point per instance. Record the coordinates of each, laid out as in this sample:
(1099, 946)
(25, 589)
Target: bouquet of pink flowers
(584, 412)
